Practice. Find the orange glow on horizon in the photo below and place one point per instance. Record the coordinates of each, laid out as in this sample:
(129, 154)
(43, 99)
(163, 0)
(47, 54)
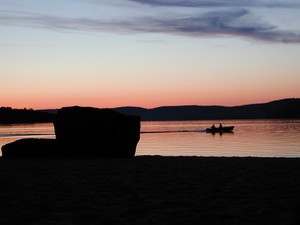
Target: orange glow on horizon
(147, 103)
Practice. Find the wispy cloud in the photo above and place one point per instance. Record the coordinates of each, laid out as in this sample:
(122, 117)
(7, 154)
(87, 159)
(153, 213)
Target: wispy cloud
(233, 22)
(236, 22)
(221, 3)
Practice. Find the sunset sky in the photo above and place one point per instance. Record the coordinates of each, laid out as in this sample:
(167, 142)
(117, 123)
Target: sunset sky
(148, 53)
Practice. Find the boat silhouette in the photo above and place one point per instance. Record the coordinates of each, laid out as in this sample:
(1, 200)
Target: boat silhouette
(228, 129)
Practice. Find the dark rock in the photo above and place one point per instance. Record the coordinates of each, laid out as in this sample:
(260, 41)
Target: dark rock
(92, 132)
(30, 148)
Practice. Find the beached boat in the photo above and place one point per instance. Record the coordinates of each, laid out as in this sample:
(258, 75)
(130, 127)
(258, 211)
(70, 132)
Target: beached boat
(220, 129)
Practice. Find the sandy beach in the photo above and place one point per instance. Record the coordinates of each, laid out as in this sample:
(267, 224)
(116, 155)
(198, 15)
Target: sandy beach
(150, 190)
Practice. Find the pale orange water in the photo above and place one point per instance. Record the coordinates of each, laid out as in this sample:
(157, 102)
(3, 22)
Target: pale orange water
(257, 138)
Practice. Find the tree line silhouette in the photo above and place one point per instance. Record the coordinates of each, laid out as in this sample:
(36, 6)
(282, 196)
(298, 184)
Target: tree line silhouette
(9, 115)
(284, 108)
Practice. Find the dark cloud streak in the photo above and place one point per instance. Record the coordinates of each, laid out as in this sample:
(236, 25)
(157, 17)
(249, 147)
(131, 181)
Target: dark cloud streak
(219, 3)
(234, 22)
(225, 22)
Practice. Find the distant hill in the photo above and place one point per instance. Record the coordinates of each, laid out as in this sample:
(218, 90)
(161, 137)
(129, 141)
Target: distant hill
(285, 108)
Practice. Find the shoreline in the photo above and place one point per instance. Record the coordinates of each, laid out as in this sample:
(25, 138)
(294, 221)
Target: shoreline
(151, 190)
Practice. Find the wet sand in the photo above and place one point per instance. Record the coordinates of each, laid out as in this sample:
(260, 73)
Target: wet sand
(150, 190)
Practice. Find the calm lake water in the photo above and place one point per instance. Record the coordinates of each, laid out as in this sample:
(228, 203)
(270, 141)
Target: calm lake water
(262, 138)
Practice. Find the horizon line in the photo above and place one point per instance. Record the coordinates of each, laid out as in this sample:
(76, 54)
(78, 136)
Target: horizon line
(128, 106)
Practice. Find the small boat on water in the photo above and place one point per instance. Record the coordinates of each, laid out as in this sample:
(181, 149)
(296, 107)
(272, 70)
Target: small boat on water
(228, 129)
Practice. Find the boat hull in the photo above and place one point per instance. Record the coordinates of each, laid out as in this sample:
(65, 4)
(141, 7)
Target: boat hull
(220, 130)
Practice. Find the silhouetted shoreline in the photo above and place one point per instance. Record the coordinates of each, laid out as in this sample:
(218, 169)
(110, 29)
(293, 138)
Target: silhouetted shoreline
(150, 190)
(279, 109)
(9, 115)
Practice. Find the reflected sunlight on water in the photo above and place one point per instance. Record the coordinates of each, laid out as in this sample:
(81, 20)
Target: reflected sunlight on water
(13, 132)
(262, 138)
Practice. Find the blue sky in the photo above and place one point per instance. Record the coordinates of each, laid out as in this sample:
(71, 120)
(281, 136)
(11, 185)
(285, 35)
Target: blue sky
(148, 53)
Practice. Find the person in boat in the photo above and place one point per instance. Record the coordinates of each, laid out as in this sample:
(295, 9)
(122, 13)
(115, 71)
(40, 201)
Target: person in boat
(220, 126)
(213, 127)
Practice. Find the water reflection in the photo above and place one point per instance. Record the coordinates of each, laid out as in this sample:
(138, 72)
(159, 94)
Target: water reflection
(10, 133)
(262, 138)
